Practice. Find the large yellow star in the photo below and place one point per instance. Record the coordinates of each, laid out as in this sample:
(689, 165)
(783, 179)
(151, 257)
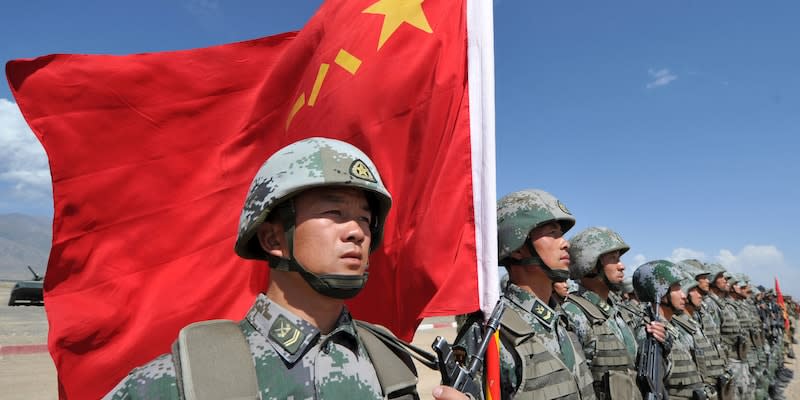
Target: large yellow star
(396, 12)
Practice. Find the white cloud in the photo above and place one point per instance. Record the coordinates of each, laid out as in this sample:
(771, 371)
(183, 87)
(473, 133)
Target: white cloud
(23, 163)
(682, 253)
(637, 260)
(661, 77)
(762, 263)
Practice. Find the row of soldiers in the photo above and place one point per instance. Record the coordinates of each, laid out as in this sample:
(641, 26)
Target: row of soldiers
(719, 337)
(315, 211)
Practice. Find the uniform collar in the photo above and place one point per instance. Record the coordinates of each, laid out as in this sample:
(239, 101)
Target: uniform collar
(292, 336)
(529, 302)
(595, 299)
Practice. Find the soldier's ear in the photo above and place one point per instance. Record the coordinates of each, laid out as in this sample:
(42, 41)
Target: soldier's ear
(270, 237)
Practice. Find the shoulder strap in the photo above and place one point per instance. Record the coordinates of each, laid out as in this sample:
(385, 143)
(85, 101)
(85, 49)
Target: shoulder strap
(396, 372)
(516, 328)
(592, 311)
(200, 351)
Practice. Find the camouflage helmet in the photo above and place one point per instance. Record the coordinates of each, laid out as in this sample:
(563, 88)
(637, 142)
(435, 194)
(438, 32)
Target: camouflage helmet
(653, 279)
(689, 267)
(714, 270)
(302, 165)
(587, 246)
(688, 281)
(733, 279)
(520, 212)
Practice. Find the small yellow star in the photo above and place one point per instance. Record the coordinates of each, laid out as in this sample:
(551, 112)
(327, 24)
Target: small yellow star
(396, 12)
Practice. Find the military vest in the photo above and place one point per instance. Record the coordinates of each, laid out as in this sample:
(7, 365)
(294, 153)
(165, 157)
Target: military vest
(544, 375)
(748, 325)
(203, 346)
(610, 352)
(731, 330)
(710, 363)
(684, 378)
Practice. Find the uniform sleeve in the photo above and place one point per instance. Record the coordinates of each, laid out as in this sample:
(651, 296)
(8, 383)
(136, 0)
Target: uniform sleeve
(154, 380)
(579, 324)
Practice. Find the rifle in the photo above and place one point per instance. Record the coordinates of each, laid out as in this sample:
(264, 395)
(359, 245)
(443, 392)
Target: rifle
(456, 375)
(648, 374)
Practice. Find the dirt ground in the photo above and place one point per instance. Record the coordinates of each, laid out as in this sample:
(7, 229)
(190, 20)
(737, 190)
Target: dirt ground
(27, 371)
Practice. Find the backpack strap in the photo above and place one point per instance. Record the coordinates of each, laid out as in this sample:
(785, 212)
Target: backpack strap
(393, 365)
(201, 350)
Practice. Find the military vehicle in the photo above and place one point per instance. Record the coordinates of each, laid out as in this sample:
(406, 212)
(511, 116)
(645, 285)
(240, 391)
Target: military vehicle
(28, 292)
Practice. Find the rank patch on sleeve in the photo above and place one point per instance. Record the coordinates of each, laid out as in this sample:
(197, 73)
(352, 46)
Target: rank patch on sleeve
(360, 170)
(286, 334)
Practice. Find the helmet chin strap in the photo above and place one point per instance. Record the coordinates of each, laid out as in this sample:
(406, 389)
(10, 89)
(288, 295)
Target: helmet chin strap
(672, 306)
(332, 285)
(599, 270)
(555, 275)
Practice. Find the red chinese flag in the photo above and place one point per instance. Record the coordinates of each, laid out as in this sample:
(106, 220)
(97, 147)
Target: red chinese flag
(151, 156)
(492, 363)
(782, 304)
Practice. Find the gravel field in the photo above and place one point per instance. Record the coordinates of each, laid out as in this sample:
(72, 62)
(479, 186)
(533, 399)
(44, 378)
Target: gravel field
(32, 376)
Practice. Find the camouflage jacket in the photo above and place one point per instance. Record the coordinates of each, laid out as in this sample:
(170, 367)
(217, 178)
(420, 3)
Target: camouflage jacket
(614, 322)
(550, 329)
(292, 360)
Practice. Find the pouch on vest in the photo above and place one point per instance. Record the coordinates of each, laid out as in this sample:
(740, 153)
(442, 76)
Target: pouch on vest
(621, 385)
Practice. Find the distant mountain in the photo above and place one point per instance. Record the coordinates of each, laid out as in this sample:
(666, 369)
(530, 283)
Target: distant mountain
(24, 240)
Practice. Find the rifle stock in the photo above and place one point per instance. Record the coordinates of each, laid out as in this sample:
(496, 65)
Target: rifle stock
(456, 375)
(648, 375)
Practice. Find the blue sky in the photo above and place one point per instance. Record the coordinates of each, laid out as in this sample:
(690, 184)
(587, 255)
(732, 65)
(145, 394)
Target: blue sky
(674, 123)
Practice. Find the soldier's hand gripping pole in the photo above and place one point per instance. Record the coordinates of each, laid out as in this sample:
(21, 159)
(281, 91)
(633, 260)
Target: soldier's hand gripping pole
(648, 375)
(454, 374)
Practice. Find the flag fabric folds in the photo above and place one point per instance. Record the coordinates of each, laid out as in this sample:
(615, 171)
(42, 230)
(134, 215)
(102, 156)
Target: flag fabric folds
(151, 156)
(492, 363)
(782, 304)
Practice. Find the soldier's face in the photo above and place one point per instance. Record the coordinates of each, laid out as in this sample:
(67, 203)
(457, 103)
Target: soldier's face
(703, 283)
(695, 297)
(332, 233)
(561, 288)
(613, 267)
(677, 297)
(549, 242)
(721, 283)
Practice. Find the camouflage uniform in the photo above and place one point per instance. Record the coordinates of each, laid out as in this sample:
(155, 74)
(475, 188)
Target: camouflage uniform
(731, 337)
(290, 357)
(751, 325)
(708, 354)
(539, 357)
(288, 353)
(607, 340)
(682, 379)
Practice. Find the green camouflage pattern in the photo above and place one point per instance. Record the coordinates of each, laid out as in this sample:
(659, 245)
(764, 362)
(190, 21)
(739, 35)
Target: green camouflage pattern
(519, 212)
(714, 270)
(652, 280)
(688, 282)
(588, 245)
(693, 268)
(696, 264)
(303, 165)
(550, 329)
(293, 360)
(585, 330)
